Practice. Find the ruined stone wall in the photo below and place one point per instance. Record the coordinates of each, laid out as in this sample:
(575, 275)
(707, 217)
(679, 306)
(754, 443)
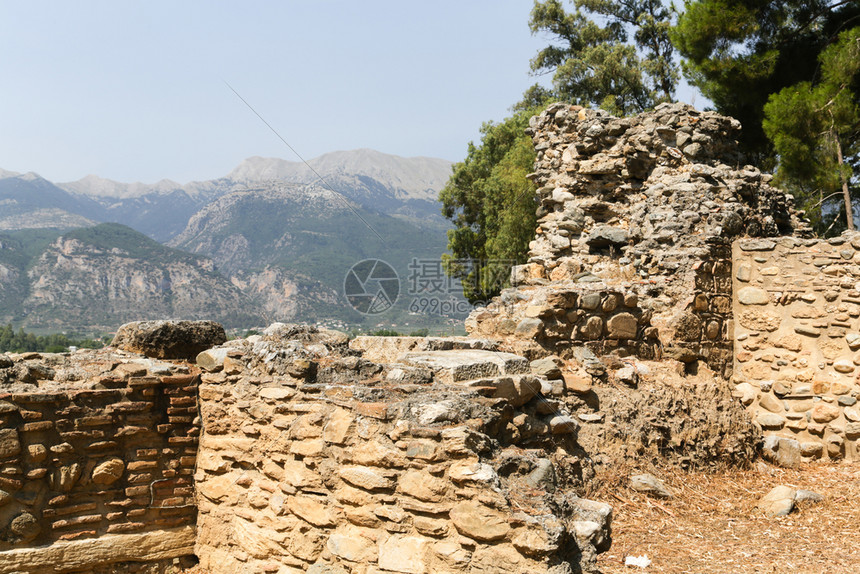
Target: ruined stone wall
(395, 454)
(797, 333)
(97, 457)
(641, 210)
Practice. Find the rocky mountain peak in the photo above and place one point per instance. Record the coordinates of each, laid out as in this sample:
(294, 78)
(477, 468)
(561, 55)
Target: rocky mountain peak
(410, 178)
(96, 186)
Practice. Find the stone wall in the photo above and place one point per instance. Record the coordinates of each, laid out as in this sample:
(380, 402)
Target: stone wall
(97, 456)
(797, 332)
(389, 455)
(639, 212)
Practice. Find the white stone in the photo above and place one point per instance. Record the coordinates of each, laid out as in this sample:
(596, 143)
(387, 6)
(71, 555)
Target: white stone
(404, 554)
(753, 296)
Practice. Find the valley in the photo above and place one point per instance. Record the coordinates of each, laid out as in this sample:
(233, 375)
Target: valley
(270, 241)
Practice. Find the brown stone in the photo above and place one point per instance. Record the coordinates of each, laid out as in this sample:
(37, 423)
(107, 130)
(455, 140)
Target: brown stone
(820, 387)
(309, 447)
(622, 326)
(790, 342)
(770, 403)
(576, 382)
(9, 443)
(430, 526)
(25, 527)
(479, 522)
(109, 471)
(364, 477)
(372, 453)
(753, 296)
(593, 328)
(839, 388)
(338, 426)
(362, 516)
(535, 540)
(422, 485)
(350, 543)
(404, 554)
(297, 475)
(759, 320)
(824, 413)
(313, 510)
(355, 496)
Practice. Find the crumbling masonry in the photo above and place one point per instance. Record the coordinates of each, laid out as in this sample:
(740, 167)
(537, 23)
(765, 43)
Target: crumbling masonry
(675, 310)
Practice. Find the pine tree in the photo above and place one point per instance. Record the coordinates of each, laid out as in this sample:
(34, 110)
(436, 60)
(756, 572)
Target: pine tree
(814, 128)
(594, 64)
(739, 52)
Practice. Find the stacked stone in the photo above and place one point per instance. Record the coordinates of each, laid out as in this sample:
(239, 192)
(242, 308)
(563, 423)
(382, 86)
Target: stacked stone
(797, 306)
(643, 209)
(563, 316)
(317, 458)
(97, 453)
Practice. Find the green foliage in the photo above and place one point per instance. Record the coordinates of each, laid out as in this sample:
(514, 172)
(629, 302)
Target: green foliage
(594, 64)
(108, 237)
(21, 342)
(739, 52)
(488, 197)
(814, 128)
(384, 333)
(492, 205)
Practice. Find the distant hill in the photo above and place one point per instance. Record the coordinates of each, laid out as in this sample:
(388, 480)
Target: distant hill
(405, 187)
(413, 178)
(290, 246)
(280, 240)
(94, 279)
(29, 202)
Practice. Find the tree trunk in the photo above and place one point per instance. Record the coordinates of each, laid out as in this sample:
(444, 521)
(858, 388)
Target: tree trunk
(849, 212)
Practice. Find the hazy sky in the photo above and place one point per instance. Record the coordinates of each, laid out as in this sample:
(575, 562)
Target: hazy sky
(134, 91)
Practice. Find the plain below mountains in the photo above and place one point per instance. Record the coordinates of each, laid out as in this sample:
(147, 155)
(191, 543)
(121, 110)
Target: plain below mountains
(272, 240)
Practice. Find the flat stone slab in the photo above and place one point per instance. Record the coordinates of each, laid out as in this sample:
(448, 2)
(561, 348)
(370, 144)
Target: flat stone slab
(465, 365)
(390, 349)
(79, 555)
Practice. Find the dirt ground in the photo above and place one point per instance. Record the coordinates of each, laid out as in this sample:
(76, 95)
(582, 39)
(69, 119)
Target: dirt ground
(712, 526)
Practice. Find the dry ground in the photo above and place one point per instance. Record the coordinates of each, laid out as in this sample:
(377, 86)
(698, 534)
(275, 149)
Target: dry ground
(711, 525)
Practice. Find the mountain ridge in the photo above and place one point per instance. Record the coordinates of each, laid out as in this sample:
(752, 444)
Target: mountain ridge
(281, 239)
(417, 177)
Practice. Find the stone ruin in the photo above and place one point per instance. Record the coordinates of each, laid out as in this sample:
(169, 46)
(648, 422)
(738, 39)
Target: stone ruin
(655, 242)
(675, 310)
(297, 450)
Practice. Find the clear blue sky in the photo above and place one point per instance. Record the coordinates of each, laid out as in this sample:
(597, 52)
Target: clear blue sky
(134, 91)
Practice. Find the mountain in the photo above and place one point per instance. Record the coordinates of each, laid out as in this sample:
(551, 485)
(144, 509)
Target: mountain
(290, 247)
(406, 178)
(387, 183)
(29, 201)
(404, 187)
(96, 278)
(280, 235)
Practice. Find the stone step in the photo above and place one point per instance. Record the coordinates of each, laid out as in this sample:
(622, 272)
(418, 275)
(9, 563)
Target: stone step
(465, 365)
(390, 349)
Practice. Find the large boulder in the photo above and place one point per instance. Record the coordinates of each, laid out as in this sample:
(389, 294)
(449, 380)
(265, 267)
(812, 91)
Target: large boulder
(169, 339)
